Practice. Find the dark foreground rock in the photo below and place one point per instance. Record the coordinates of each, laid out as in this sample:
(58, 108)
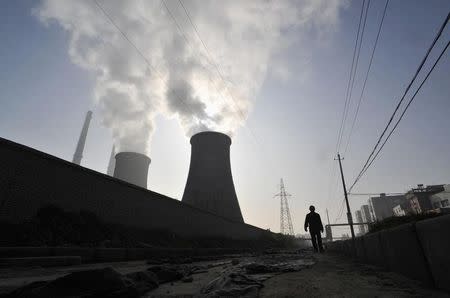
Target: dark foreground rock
(104, 282)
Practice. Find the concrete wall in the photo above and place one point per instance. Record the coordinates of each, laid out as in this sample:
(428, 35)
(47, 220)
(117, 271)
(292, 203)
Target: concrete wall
(434, 236)
(417, 250)
(30, 179)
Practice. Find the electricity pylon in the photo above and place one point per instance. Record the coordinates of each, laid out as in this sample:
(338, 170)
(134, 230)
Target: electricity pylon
(285, 215)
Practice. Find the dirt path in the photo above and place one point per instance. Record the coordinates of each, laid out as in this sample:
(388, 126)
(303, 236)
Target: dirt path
(319, 276)
(335, 276)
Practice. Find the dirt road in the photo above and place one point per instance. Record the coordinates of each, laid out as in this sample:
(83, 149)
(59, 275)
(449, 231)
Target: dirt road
(315, 275)
(335, 276)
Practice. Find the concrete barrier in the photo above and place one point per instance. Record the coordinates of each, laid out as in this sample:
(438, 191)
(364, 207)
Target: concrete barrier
(30, 179)
(348, 246)
(110, 254)
(434, 235)
(403, 253)
(13, 251)
(360, 249)
(373, 250)
(40, 261)
(417, 250)
(85, 253)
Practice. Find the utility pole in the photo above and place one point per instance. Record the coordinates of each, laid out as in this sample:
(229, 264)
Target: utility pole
(349, 214)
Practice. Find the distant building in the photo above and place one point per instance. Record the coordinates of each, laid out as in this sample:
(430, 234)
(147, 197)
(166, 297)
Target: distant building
(420, 198)
(441, 200)
(399, 210)
(366, 216)
(382, 207)
(359, 219)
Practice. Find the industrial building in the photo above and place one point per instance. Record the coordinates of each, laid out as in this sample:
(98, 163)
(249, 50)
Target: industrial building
(419, 198)
(382, 206)
(441, 200)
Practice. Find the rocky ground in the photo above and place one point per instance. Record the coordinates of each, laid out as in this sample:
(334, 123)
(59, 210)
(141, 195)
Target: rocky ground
(272, 274)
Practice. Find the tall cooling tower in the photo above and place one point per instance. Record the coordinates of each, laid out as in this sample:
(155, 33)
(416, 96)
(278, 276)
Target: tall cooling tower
(132, 167)
(210, 184)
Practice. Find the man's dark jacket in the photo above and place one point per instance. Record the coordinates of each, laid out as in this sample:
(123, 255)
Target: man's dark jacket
(314, 222)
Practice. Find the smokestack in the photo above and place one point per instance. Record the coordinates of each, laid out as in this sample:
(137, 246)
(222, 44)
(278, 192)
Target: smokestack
(82, 140)
(112, 162)
(210, 184)
(132, 167)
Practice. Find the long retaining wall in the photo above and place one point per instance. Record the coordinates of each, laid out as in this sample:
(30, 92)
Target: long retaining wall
(30, 179)
(417, 250)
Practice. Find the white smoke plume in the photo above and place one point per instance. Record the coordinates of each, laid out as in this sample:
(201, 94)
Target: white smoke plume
(165, 68)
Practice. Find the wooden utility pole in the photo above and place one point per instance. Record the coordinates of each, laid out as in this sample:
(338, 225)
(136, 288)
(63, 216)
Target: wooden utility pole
(349, 214)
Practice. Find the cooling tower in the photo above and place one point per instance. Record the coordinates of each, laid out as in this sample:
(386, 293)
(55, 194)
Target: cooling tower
(210, 184)
(132, 167)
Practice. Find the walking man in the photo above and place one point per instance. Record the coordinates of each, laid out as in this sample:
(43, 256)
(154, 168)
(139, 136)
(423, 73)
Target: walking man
(314, 223)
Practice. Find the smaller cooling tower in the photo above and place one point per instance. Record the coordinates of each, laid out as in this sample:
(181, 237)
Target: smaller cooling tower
(209, 184)
(132, 167)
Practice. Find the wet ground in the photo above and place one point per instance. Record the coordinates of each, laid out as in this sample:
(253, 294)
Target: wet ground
(266, 275)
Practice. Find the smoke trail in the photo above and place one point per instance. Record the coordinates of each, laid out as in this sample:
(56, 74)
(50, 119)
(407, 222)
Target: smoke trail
(206, 89)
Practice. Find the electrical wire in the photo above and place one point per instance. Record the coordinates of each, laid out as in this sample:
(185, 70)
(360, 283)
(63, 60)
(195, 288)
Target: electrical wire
(404, 111)
(220, 74)
(125, 36)
(366, 77)
(346, 104)
(401, 101)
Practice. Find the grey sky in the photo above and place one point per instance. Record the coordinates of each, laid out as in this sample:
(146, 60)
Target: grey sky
(295, 118)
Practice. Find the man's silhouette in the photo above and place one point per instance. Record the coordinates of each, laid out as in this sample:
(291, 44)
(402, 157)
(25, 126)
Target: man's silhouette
(315, 228)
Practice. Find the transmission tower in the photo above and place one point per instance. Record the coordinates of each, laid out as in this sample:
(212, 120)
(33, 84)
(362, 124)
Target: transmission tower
(285, 215)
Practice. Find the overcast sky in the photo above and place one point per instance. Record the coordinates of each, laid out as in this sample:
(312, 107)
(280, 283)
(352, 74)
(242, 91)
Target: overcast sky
(284, 67)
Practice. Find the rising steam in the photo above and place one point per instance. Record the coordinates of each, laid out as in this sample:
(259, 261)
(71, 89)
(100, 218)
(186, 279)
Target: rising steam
(205, 88)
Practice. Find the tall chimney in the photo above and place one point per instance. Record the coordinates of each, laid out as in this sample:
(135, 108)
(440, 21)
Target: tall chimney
(112, 162)
(132, 167)
(209, 184)
(82, 140)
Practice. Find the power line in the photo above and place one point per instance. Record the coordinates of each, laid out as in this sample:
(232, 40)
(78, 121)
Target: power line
(366, 77)
(346, 102)
(124, 35)
(341, 210)
(219, 72)
(370, 159)
(407, 106)
(180, 30)
(356, 64)
(210, 58)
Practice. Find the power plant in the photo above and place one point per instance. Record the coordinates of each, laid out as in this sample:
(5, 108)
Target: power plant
(132, 167)
(78, 155)
(210, 184)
